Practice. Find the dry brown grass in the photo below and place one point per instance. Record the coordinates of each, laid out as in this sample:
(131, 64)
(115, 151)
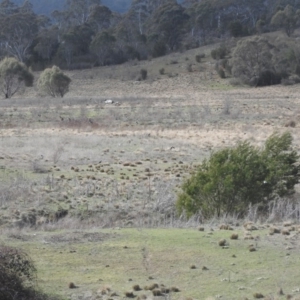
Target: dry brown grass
(158, 133)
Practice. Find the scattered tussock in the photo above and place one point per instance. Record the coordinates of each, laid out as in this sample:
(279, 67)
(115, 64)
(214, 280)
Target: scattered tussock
(157, 292)
(274, 230)
(251, 248)
(250, 226)
(225, 227)
(72, 285)
(234, 236)
(222, 243)
(151, 287)
(129, 295)
(136, 287)
(258, 295)
(285, 231)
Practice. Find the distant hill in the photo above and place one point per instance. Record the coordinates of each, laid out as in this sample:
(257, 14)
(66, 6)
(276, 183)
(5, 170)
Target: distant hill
(47, 6)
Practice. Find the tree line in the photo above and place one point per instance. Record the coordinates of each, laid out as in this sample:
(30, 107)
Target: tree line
(87, 33)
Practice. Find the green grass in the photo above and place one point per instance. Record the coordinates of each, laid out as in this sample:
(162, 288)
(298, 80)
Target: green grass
(166, 255)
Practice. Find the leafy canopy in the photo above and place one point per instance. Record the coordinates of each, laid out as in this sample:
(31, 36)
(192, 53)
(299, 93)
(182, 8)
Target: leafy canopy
(54, 82)
(234, 178)
(13, 76)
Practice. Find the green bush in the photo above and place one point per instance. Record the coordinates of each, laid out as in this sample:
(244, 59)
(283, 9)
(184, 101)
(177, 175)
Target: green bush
(234, 178)
(54, 82)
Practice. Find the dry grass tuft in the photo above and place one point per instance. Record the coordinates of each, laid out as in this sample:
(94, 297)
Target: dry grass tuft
(72, 285)
(174, 289)
(280, 292)
(129, 295)
(288, 223)
(251, 227)
(165, 290)
(142, 297)
(152, 287)
(157, 292)
(274, 230)
(222, 243)
(192, 267)
(225, 227)
(252, 248)
(248, 236)
(136, 287)
(258, 295)
(234, 236)
(290, 123)
(285, 231)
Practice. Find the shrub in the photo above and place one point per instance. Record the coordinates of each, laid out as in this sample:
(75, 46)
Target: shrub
(219, 53)
(291, 80)
(18, 276)
(14, 75)
(159, 49)
(252, 60)
(297, 70)
(144, 74)
(54, 82)
(189, 67)
(17, 273)
(199, 57)
(267, 77)
(156, 292)
(72, 285)
(234, 178)
(221, 72)
(136, 288)
(162, 71)
(237, 29)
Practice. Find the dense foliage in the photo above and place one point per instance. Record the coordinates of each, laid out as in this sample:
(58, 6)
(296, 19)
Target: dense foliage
(14, 75)
(54, 82)
(234, 178)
